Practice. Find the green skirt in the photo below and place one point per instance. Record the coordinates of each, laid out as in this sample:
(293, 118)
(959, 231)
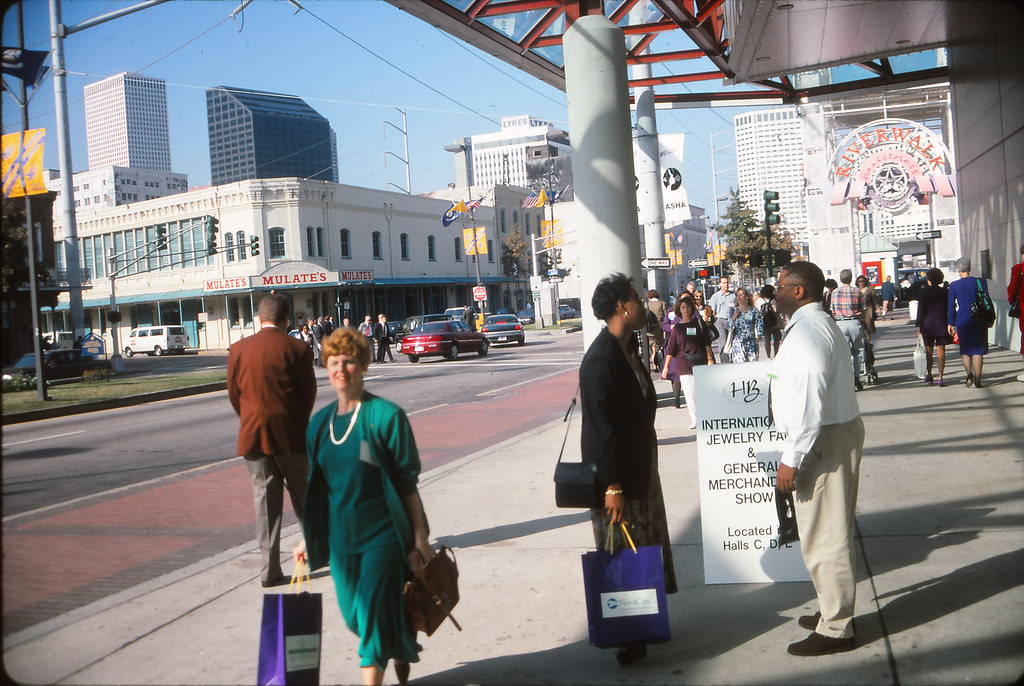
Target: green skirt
(369, 588)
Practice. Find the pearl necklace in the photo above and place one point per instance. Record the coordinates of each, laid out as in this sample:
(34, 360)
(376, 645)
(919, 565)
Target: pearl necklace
(351, 423)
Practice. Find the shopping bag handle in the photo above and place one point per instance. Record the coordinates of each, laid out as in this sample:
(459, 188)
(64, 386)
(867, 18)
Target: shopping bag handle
(609, 543)
(300, 575)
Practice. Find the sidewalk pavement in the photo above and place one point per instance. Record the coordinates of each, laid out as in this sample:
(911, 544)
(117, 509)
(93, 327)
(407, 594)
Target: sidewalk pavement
(940, 554)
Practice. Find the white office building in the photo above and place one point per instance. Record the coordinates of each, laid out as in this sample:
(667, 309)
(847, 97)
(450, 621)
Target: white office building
(126, 123)
(769, 156)
(108, 187)
(526, 152)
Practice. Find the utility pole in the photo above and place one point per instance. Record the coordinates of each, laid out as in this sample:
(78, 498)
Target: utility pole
(30, 238)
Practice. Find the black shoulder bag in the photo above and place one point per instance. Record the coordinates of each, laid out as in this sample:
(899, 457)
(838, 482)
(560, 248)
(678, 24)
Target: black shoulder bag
(576, 483)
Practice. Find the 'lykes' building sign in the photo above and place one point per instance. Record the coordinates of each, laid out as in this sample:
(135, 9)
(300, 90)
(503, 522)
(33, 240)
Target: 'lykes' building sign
(889, 164)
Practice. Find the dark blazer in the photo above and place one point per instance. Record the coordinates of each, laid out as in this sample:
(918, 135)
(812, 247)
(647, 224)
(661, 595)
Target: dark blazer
(272, 386)
(618, 417)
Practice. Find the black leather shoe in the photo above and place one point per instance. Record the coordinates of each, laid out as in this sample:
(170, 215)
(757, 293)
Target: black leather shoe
(809, 622)
(816, 644)
(279, 580)
(630, 653)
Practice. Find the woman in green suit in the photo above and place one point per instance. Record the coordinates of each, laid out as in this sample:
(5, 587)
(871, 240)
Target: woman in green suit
(363, 513)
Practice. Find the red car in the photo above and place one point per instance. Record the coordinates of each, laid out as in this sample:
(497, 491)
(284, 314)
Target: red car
(450, 339)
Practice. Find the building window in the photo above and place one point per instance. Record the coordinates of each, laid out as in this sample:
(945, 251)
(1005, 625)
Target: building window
(515, 219)
(501, 218)
(240, 241)
(276, 242)
(319, 241)
(229, 247)
(458, 250)
(403, 242)
(376, 246)
(431, 249)
(526, 222)
(490, 251)
(346, 245)
(309, 242)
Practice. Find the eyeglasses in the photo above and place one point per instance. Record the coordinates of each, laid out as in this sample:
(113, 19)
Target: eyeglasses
(780, 286)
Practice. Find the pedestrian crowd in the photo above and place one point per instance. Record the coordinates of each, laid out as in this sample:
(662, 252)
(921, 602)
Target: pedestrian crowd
(351, 470)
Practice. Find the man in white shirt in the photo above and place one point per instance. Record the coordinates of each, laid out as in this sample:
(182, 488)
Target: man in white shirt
(722, 303)
(813, 401)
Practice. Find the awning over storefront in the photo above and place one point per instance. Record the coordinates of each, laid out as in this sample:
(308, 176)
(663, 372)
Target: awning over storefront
(138, 298)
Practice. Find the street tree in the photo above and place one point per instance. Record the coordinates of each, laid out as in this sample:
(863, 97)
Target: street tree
(743, 233)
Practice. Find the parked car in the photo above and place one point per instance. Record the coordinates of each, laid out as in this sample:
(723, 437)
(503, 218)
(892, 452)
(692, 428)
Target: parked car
(60, 365)
(567, 312)
(526, 316)
(448, 338)
(503, 328)
(156, 340)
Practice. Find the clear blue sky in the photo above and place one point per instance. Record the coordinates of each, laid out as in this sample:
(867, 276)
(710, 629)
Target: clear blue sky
(193, 45)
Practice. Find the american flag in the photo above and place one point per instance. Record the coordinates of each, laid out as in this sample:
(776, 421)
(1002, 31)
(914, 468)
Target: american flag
(473, 204)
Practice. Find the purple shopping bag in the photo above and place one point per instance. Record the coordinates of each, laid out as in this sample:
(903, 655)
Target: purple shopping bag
(290, 639)
(625, 593)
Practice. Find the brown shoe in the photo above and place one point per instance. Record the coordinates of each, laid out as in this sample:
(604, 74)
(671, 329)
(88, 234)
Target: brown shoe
(809, 622)
(816, 644)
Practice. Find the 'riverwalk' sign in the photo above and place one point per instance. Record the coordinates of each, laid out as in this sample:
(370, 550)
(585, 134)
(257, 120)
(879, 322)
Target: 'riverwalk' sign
(738, 452)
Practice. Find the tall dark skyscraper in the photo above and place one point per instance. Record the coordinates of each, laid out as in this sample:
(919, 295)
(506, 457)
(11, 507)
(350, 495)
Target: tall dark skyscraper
(257, 135)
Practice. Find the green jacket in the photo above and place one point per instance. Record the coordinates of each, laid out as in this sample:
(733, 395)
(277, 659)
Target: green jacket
(394, 450)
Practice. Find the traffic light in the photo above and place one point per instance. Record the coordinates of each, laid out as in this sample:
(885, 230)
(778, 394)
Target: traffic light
(771, 208)
(782, 257)
(254, 245)
(211, 235)
(755, 259)
(161, 236)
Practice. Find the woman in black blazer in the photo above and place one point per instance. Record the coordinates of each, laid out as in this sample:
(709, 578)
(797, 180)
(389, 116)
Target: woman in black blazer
(618, 400)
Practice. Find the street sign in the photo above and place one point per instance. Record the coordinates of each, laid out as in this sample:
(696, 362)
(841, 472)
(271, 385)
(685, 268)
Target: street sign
(928, 235)
(698, 263)
(479, 293)
(656, 263)
(555, 279)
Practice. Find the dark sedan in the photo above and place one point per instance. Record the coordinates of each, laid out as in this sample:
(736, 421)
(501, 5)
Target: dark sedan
(503, 328)
(450, 339)
(60, 365)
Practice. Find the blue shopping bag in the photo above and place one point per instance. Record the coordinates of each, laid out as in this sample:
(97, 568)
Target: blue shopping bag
(290, 639)
(625, 592)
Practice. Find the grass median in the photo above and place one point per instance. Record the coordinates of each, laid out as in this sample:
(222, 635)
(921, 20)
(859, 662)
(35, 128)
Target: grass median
(90, 391)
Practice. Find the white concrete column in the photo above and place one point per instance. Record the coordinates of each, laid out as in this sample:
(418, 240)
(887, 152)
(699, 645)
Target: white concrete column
(648, 174)
(602, 158)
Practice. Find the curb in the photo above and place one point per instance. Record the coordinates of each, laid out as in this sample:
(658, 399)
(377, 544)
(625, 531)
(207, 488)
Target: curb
(127, 401)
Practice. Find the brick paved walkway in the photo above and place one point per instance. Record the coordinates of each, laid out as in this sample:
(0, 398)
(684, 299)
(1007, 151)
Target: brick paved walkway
(61, 559)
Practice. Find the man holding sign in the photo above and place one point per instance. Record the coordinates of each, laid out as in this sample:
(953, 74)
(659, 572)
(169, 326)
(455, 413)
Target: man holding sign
(813, 401)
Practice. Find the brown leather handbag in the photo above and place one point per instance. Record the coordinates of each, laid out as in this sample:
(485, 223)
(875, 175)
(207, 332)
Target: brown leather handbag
(432, 592)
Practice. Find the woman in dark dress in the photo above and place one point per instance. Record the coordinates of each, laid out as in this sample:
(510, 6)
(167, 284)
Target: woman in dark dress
(688, 345)
(973, 337)
(932, 325)
(618, 401)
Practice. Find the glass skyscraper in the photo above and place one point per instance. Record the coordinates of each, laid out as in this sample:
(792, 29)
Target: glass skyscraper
(257, 135)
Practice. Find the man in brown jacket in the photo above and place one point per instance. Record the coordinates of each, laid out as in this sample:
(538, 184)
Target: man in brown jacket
(272, 386)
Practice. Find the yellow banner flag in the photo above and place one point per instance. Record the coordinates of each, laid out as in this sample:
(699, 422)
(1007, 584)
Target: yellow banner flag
(552, 237)
(475, 239)
(23, 163)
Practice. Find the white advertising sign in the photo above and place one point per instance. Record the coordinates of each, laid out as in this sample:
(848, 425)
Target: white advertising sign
(738, 452)
(293, 274)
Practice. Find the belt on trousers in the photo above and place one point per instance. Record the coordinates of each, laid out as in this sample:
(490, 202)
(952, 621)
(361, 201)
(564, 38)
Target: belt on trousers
(843, 319)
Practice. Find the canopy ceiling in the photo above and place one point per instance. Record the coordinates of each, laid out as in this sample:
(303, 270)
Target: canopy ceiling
(713, 51)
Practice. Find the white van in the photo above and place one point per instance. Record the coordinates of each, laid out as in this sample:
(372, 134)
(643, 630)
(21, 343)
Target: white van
(156, 340)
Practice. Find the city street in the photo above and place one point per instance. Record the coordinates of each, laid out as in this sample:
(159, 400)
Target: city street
(97, 502)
